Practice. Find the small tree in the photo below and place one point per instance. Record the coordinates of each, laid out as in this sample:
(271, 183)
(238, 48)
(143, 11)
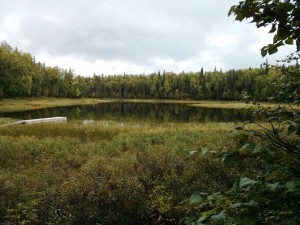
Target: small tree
(268, 191)
(282, 17)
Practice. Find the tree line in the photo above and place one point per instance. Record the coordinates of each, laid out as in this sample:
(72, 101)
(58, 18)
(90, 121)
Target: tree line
(22, 76)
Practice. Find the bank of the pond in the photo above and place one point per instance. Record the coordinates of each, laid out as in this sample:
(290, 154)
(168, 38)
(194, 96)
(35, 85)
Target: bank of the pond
(13, 105)
(239, 105)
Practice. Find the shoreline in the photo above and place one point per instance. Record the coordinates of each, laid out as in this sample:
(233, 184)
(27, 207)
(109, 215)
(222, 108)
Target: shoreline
(13, 105)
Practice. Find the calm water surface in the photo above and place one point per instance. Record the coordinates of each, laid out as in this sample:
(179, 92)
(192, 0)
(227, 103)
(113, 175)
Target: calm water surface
(148, 112)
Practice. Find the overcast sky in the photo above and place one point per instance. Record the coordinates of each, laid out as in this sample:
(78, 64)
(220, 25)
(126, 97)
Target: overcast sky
(133, 36)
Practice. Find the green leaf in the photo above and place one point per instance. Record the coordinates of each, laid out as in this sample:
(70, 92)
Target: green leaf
(273, 29)
(289, 41)
(196, 198)
(283, 32)
(219, 199)
(236, 205)
(231, 10)
(272, 49)
(201, 219)
(234, 187)
(258, 148)
(207, 213)
(245, 181)
(275, 38)
(251, 204)
(292, 186)
(218, 219)
(272, 187)
(240, 17)
(264, 51)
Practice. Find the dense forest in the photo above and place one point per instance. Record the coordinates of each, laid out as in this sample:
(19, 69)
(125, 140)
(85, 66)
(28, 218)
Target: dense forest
(22, 76)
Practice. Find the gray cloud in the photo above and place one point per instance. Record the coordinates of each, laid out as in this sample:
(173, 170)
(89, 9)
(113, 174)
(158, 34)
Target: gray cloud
(137, 32)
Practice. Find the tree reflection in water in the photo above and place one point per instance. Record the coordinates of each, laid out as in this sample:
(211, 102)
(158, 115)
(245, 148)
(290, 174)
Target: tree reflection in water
(147, 112)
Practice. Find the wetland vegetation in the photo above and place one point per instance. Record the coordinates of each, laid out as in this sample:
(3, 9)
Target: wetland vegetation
(121, 168)
(107, 172)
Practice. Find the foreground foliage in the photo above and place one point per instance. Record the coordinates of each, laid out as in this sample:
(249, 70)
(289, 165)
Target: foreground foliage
(268, 191)
(267, 155)
(108, 172)
(281, 16)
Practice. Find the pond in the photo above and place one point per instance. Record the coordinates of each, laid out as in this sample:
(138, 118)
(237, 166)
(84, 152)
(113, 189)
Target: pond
(146, 112)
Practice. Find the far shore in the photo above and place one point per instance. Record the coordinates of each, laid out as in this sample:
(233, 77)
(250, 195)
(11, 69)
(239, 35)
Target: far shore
(13, 105)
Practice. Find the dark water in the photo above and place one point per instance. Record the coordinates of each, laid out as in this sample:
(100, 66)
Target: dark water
(148, 112)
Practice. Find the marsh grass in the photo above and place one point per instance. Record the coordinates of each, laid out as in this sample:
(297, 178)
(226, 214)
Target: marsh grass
(106, 172)
(12, 105)
(237, 105)
(4, 121)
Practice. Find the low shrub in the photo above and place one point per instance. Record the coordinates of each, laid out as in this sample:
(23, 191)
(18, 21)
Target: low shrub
(105, 173)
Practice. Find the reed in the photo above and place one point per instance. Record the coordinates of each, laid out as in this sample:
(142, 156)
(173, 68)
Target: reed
(12, 105)
(106, 172)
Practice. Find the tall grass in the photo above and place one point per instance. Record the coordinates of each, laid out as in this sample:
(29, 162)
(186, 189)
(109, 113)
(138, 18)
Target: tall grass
(106, 172)
(11, 105)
